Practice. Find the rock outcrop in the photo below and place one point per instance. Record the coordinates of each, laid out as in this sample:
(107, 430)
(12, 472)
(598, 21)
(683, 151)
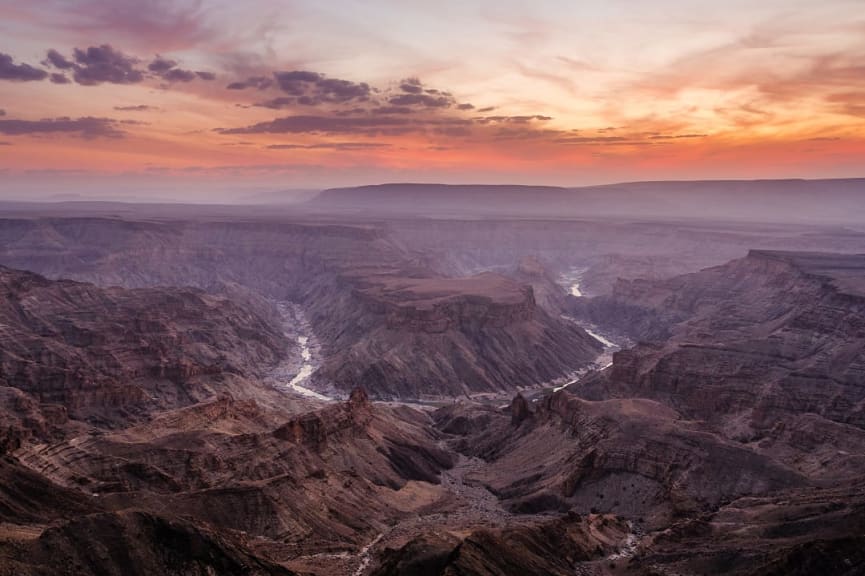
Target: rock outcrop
(134, 544)
(429, 337)
(555, 547)
(634, 458)
(387, 318)
(109, 355)
(769, 350)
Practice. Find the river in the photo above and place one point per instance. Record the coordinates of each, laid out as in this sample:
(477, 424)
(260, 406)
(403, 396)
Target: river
(290, 373)
(573, 283)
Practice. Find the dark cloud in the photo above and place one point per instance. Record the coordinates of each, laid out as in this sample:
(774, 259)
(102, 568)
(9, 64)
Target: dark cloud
(366, 125)
(277, 103)
(675, 136)
(168, 71)
(58, 60)
(392, 110)
(632, 139)
(425, 100)
(19, 72)
(257, 82)
(2, 112)
(161, 65)
(415, 94)
(326, 125)
(105, 64)
(330, 146)
(312, 88)
(411, 85)
(356, 111)
(512, 119)
(2, 143)
(87, 127)
(179, 75)
(353, 108)
(98, 64)
(137, 108)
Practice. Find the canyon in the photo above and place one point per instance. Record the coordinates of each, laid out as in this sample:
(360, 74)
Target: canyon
(315, 390)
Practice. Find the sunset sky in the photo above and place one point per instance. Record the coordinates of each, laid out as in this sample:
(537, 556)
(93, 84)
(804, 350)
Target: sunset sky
(183, 98)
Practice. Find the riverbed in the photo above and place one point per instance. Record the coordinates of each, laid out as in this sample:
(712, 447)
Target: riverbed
(294, 372)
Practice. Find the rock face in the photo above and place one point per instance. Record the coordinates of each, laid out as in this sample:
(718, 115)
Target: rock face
(321, 478)
(769, 350)
(814, 531)
(441, 336)
(134, 543)
(635, 458)
(106, 355)
(137, 434)
(386, 317)
(555, 547)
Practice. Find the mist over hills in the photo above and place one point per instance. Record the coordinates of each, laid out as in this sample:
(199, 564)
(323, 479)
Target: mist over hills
(827, 201)
(790, 201)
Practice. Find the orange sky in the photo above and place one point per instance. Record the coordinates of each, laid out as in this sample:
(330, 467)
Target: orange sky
(181, 97)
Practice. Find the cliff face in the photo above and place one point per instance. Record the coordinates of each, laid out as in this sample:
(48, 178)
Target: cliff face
(769, 349)
(72, 349)
(554, 547)
(135, 544)
(315, 480)
(385, 317)
(438, 336)
(634, 458)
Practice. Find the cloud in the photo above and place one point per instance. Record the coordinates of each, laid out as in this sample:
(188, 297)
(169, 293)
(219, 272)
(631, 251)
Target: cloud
(414, 93)
(411, 85)
(426, 100)
(326, 125)
(161, 65)
(3, 143)
(849, 103)
(2, 112)
(257, 82)
(277, 103)
(511, 119)
(392, 110)
(58, 60)
(98, 64)
(86, 127)
(168, 71)
(179, 75)
(356, 108)
(303, 88)
(19, 72)
(158, 25)
(312, 88)
(331, 146)
(136, 108)
(105, 64)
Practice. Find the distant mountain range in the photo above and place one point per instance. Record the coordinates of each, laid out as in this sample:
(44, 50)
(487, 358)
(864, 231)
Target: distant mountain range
(828, 201)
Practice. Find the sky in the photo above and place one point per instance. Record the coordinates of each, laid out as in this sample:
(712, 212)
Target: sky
(202, 99)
